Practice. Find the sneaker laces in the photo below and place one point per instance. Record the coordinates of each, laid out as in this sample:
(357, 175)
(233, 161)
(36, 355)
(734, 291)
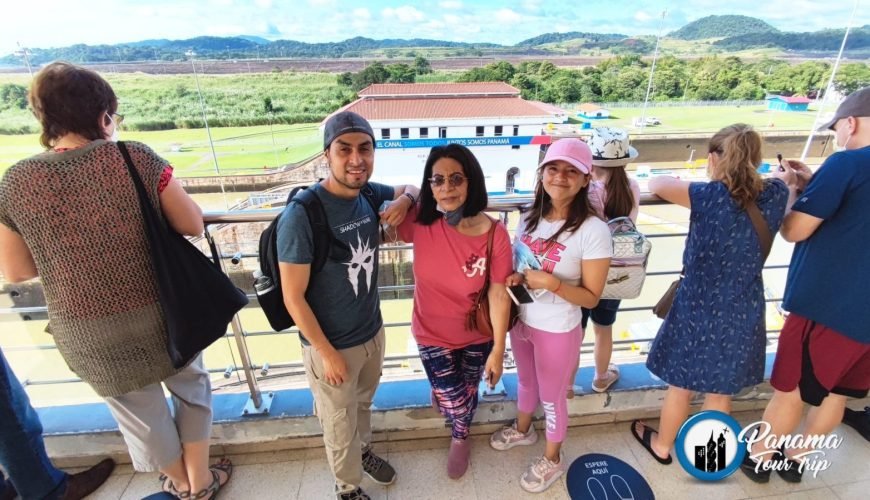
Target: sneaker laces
(356, 494)
(542, 466)
(372, 462)
(512, 432)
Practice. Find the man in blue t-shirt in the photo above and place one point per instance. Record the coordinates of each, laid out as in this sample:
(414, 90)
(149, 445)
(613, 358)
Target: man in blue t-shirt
(823, 355)
(337, 308)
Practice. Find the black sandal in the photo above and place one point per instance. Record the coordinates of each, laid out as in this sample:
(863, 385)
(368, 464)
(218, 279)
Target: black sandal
(646, 442)
(168, 487)
(210, 493)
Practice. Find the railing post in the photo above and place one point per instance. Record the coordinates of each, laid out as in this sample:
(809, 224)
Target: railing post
(257, 404)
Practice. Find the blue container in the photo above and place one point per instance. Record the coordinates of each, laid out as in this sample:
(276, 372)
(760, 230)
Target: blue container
(587, 125)
(764, 168)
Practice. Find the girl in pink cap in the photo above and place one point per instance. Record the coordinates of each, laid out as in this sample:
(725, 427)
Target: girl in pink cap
(573, 247)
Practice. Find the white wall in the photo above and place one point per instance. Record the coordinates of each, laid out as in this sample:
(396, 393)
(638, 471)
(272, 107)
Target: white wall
(405, 166)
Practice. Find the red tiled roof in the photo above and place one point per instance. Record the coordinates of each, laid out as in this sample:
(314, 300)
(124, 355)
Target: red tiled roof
(792, 100)
(456, 107)
(437, 89)
(548, 108)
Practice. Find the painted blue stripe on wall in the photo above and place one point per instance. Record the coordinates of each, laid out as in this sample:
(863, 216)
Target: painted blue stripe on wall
(465, 141)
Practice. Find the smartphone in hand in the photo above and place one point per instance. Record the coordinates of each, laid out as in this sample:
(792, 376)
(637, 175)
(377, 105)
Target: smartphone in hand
(520, 294)
(779, 162)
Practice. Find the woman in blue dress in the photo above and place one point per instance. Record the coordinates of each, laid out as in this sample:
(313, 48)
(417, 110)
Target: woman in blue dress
(713, 339)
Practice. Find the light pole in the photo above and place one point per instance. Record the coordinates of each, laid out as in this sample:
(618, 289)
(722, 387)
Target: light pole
(191, 54)
(830, 83)
(652, 71)
(23, 52)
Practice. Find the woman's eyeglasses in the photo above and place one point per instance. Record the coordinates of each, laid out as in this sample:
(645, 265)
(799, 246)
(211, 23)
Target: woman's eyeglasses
(455, 179)
(116, 118)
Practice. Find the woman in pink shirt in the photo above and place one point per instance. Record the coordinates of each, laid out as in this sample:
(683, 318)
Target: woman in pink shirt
(450, 232)
(573, 247)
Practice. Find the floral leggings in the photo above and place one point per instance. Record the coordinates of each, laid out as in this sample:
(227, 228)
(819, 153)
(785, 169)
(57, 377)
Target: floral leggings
(455, 375)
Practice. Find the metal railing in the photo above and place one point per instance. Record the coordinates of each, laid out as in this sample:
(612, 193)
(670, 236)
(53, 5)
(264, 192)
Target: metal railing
(258, 403)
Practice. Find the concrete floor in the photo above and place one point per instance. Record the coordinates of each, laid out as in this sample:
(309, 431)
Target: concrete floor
(421, 466)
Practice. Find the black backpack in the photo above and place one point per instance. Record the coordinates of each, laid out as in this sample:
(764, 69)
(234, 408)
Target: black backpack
(272, 299)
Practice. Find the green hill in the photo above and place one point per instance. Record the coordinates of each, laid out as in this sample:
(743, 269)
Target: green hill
(572, 35)
(722, 26)
(824, 40)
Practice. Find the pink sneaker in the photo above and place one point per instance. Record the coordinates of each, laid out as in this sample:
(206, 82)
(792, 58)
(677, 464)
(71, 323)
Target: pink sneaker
(542, 473)
(458, 457)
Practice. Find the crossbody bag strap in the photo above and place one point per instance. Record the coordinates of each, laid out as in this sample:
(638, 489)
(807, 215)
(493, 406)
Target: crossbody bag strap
(146, 206)
(761, 228)
(488, 253)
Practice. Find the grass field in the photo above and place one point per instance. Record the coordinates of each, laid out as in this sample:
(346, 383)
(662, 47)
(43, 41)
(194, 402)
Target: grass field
(161, 102)
(240, 150)
(245, 150)
(706, 118)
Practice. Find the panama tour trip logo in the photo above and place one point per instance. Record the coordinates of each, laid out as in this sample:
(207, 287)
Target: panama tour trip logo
(708, 445)
(813, 459)
(711, 445)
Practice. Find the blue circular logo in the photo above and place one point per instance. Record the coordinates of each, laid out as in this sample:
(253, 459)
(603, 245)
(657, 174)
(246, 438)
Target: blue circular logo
(707, 445)
(596, 476)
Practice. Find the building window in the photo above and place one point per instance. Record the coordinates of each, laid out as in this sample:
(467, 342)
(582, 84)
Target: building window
(515, 146)
(385, 133)
(442, 132)
(479, 132)
(405, 133)
(498, 130)
(424, 132)
(516, 130)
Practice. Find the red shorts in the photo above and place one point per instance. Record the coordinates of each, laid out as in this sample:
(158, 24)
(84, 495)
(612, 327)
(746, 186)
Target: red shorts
(819, 361)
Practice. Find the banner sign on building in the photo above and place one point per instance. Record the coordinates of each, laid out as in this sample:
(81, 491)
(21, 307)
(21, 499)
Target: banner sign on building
(465, 141)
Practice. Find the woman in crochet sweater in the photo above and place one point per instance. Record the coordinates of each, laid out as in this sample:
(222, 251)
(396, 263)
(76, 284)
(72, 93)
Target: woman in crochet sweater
(70, 216)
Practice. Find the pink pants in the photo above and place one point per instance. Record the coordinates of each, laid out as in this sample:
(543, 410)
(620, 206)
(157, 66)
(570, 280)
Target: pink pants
(545, 362)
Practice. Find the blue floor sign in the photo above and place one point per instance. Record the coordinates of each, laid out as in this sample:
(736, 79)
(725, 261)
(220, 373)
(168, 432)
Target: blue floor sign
(602, 477)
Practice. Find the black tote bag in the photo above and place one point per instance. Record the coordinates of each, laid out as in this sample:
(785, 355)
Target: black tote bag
(197, 298)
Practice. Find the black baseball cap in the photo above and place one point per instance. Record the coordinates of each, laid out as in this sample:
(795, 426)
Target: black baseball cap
(857, 105)
(345, 122)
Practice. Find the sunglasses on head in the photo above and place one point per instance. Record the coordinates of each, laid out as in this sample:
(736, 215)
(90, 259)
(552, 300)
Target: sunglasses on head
(455, 179)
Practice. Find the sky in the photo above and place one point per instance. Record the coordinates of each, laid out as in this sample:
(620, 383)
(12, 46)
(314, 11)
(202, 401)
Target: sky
(53, 23)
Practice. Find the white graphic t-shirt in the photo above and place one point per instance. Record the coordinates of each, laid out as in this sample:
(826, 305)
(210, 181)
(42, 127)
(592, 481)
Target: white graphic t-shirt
(562, 259)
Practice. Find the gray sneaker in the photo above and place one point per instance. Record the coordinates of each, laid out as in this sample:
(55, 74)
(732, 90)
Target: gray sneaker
(357, 494)
(378, 469)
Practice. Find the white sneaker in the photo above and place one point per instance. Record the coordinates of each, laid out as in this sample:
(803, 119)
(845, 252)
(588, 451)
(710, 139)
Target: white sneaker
(542, 473)
(509, 436)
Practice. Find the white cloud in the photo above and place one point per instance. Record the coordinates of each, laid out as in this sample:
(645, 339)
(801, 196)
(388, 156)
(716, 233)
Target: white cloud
(532, 5)
(361, 19)
(508, 16)
(404, 14)
(434, 25)
(452, 19)
(642, 16)
(321, 3)
(362, 13)
(450, 4)
(265, 4)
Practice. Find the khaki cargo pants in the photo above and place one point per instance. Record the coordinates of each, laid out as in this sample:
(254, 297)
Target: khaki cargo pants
(344, 411)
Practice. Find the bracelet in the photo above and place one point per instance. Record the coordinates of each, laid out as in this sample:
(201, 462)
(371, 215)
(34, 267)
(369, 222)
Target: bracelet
(557, 288)
(411, 197)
